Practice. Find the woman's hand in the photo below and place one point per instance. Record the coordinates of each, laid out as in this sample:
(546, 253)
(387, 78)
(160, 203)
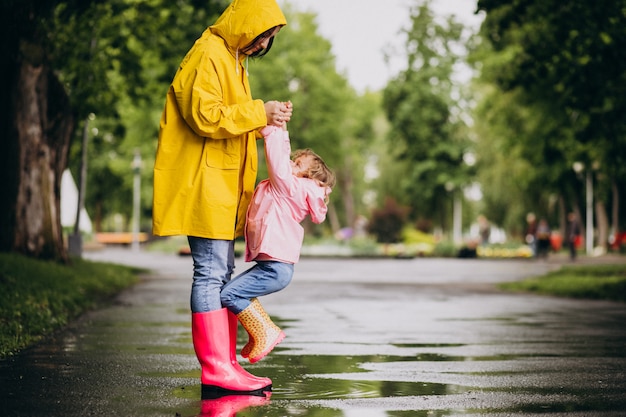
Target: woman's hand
(278, 113)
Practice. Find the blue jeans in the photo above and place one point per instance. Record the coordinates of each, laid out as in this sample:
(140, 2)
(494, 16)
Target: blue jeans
(213, 266)
(263, 278)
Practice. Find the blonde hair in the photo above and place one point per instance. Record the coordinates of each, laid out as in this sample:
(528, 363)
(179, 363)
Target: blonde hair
(318, 171)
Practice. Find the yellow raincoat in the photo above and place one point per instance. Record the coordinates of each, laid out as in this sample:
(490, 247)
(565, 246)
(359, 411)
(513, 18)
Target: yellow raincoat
(206, 162)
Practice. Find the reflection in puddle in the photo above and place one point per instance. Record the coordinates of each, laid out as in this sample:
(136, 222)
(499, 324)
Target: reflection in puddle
(229, 405)
(302, 378)
(224, 405)
(324, 389)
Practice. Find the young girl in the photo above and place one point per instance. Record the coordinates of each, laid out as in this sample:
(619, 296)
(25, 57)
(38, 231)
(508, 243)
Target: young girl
(295, 189)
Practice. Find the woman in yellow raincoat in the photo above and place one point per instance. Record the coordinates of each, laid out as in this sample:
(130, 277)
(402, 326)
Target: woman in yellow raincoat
(205, 172)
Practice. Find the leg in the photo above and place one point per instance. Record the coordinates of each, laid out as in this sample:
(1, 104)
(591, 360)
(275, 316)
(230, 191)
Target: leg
(264, 334)
(212, 330)
(211, 334)
(264, 278)
(213, 264)
(233, 323)
(572, 249)
(239, 296)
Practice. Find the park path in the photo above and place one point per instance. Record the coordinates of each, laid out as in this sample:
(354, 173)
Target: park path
(365, 337)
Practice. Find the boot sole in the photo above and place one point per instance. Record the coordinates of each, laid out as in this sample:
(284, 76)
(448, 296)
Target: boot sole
(213, 391)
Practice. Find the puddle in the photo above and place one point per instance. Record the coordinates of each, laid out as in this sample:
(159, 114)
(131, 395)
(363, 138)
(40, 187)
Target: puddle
(147, 367)
(302, 378)
(331, 385)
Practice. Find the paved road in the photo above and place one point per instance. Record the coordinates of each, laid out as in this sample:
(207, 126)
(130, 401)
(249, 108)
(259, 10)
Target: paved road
(367, 338)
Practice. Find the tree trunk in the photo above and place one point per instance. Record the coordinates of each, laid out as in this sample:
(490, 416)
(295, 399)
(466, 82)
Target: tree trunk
(333, 219)
(347, 196)
(615, 208)
(602, 221)
(562, 216)
(42, 126)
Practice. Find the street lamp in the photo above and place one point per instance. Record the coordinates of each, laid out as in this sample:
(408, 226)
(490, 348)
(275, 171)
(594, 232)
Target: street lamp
(579, 167)
(457, 213)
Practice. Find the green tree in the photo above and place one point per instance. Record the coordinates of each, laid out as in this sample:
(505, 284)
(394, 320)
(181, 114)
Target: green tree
(565, 63)
(424, 107)
(514, 178)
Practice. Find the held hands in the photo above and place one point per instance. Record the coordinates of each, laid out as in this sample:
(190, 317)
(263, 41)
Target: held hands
(278, 113)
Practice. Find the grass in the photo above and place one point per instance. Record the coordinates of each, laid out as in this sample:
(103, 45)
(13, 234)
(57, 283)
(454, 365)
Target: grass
(601, 282)
(40, 297)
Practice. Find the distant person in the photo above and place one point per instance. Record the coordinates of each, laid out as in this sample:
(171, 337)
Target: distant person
(543, 238)
(572, 234)
(295, 189)
(530, 236)
(484, 230)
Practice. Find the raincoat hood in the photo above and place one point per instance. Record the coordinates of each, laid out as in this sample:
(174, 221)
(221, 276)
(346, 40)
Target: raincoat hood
(244, 20)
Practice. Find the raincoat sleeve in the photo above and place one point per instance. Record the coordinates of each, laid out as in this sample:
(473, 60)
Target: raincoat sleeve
(207, 107)
(316, 200)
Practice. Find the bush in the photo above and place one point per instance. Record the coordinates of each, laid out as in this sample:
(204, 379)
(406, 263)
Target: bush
(386, 224)
(411, 236)
(445, 249)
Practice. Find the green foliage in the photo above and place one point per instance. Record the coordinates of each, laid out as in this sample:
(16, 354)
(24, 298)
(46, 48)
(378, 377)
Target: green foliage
(607, 282)
(424, 107)
(445, 249)
(120, 48)
(559, 97)
(510, 155)
(39, 297)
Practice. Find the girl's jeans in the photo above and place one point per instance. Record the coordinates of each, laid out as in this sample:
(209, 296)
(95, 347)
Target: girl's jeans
(213, 266)
(263, 278)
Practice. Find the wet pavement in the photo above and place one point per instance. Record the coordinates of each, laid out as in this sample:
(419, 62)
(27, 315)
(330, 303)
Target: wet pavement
(365, 337)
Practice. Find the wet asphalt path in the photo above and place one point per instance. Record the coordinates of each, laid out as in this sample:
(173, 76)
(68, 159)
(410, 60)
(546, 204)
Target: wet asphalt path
(367, 338)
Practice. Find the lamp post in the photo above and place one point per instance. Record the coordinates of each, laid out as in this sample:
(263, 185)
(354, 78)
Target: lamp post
(75, 240)
(136, 165)
(579, 167)
(457, 212)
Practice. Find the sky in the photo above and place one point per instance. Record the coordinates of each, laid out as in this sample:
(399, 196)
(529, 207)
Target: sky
(360, 30)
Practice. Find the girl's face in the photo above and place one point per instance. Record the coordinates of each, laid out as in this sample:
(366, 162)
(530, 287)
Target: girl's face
(261, 43)
(301, 165)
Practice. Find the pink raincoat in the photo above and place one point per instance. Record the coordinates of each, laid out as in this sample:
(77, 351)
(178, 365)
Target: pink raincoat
(280, 204)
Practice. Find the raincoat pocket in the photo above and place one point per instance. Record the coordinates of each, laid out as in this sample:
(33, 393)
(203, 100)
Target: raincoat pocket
(255, 231)
(222, 153)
